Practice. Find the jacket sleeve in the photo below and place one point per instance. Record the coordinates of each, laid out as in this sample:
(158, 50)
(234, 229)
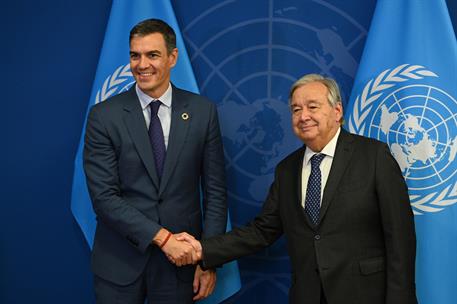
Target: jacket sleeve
(101, 169)
(398, 227)
(265, 229)
(213, 179)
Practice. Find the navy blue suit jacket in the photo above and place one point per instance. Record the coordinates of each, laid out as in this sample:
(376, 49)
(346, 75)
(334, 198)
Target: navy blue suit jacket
(130, 201)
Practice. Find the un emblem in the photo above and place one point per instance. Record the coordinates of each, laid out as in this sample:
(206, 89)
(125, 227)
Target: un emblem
(117, 82)
(246, 62)
(419, 124)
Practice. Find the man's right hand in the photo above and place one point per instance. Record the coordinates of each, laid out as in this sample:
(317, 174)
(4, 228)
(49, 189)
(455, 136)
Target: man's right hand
(196, 245)
(176, 247)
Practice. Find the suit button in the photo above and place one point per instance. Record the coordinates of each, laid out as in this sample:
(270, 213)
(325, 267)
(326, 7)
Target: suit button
(317, 237)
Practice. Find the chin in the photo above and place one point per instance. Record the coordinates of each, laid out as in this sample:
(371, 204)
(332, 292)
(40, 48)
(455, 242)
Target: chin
(146, 87)
(307, 135)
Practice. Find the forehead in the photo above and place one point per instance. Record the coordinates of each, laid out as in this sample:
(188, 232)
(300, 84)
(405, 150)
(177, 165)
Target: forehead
(313, 91)
(154, 41)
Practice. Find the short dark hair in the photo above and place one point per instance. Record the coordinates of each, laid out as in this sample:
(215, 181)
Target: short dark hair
(151, 26)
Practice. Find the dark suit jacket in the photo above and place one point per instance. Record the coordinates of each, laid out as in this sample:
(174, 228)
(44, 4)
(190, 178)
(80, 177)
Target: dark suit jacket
(363, 248)
(130, 202)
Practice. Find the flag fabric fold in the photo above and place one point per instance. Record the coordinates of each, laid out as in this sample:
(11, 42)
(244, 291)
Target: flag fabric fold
(112, 77)
(405, 94)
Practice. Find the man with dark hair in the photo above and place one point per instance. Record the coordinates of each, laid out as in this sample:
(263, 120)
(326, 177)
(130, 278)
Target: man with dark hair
(343, 205)
(151, 26)
(149, 155)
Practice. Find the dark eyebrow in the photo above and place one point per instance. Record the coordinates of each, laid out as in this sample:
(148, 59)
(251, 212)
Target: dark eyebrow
(154, 52)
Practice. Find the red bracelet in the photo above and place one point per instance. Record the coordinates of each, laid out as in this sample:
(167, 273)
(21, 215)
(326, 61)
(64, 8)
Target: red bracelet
(166, 240)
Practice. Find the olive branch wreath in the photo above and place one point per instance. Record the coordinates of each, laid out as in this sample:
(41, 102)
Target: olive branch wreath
(373, 90)
(111, 84)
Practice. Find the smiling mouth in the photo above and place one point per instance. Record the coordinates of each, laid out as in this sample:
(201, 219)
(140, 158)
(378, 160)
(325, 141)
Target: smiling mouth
(145, 74)
(307, 127)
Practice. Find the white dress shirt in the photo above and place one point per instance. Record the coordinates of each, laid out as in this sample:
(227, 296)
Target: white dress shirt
(164, 109)
(326, 164)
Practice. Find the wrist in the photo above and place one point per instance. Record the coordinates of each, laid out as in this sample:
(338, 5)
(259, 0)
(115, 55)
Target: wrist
(165, 240)
(160, 237)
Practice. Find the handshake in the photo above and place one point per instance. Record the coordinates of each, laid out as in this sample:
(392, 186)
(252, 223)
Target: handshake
(183, 249)
(180, 248)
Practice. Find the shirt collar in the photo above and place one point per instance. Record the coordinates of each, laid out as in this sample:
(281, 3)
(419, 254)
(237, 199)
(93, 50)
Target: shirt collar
(145, 99)
(328, 150)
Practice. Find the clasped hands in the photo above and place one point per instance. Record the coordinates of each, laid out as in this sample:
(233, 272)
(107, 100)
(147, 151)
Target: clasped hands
(183, 249)
(180, 248)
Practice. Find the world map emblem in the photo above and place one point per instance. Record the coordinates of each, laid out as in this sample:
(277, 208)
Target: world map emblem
(418, 121)
(246, 62)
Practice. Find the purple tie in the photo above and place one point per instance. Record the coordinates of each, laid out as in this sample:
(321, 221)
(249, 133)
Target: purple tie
(156, 137)
(313, 190)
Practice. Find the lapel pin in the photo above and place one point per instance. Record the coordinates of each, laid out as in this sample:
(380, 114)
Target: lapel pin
(185, 116)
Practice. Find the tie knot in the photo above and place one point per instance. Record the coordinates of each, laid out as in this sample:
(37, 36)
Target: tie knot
(316, 159)
(155, 106)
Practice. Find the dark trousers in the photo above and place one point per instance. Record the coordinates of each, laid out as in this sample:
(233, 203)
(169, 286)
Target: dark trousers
(159, 284)
(323, 299)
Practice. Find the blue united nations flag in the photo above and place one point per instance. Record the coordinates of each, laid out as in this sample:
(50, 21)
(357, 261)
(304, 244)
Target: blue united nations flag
(405, 95)
(113, 76)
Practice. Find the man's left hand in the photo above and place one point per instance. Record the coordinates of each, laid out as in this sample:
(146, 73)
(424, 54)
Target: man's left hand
(204, 283)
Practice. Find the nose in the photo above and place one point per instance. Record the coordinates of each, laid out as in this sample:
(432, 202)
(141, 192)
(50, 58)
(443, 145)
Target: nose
(143, 62)
(304, 115)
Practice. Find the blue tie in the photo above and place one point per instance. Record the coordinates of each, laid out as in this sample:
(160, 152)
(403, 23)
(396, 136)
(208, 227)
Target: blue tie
(313, 190)
(156, 137)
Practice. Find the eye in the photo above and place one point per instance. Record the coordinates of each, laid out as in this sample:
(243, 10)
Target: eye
(313, 106)
(153, 55)
(133, 56)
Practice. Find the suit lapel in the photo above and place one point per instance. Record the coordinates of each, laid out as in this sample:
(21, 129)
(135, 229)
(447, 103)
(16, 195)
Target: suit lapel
(343, 153)
(298, 174)
(180, 120)
(136, 126)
